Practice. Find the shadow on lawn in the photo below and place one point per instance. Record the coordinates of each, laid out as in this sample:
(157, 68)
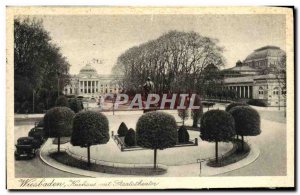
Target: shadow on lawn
(234, 155)
(65, 158)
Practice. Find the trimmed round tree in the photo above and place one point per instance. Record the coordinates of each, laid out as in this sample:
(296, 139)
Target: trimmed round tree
(217, 126)
(232, 105)
(62, 101)
(89, 128)
(58, 123)
(183, 114)
(130, 139)
(122, 131)
(75, 104)
(183, 135)
(156, 130)
(247, 121)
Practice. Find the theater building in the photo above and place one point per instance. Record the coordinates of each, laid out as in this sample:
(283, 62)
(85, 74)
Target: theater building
(249, 80)
(88, 83)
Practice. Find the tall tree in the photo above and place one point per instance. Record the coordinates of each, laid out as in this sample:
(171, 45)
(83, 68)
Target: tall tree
(174, 61)
(38, 64)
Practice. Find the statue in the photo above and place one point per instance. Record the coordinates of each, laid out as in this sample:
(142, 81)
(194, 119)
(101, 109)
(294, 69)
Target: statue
(148, 87)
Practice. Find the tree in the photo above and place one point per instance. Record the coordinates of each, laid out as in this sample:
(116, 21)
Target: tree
(38, 63)
(130, 139)
(156, 130)
(232, 105)
(58, 123)
(175, 61)
(183, 114)
(90, 128)
(123, 129)
(247, 121)
(217, 126)
(62, 101)
(183, 135)
(75, 104)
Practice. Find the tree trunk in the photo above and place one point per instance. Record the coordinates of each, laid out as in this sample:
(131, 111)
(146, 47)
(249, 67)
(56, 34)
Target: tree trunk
(242, 143)
(58, 144)
(216, 151)
(155, 153)
(89, 155)
(237, 136)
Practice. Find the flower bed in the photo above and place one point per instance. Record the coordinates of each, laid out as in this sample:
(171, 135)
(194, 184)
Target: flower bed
(123, 147)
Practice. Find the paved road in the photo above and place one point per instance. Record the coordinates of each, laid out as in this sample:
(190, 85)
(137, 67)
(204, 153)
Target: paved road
(272, 144)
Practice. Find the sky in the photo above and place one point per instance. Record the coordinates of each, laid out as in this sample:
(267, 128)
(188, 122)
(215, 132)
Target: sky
(105, 37)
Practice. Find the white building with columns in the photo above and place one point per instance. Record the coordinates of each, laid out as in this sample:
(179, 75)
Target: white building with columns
(257, 84)
(88, 83)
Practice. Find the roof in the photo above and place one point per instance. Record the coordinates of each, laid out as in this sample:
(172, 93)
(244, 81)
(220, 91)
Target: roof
(248, 79)
(241, 69)
(264, 52)
(88, 69)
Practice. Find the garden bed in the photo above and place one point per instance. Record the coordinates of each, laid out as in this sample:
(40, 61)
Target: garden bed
(234, 155)
(65, 158)
(123, 147)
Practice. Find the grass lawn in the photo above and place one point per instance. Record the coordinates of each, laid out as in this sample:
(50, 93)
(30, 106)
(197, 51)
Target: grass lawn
(68, 160)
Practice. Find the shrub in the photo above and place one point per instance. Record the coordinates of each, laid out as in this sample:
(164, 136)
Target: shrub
(257, 102)
(156, 130)
(90, 128)
(25, 107)
(247, 121)
(217, 126)
(130, 138)
(40, 107)
(58, 123)
(232, 105)
(122, 131)
(183, 135)
(62, 101)
(197, 113)
(75, 104)
(183, 114)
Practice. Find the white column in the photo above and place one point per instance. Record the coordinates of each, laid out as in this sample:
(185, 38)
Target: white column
(248, 91)
(240, 91)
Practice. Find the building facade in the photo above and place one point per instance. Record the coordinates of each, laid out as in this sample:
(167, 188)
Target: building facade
(88, 83)
(250, 81)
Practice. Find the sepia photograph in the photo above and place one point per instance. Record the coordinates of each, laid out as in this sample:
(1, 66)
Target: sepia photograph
(150, 97)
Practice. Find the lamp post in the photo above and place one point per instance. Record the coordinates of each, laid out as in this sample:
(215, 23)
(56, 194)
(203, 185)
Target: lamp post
(200, 161)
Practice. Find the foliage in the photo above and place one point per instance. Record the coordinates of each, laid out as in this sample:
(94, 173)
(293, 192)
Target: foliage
(130, 139)
(197, 113)
(208, 104)
(122, 131)
(183, 114)
(232, 105)
(40, 107)
(156, 130)
(183, 135)
(38, 65)
(75, 104)
(90, 128)
(257, 102)
(58, 122)
(62, 101)
(217, 125)
(174, 61)
(247, 120)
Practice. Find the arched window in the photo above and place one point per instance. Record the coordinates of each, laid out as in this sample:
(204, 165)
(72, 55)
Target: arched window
(275, 91)
(261, 91)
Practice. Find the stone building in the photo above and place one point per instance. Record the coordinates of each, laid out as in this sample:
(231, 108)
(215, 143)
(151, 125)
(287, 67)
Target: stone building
(251, 81)
(88, 83)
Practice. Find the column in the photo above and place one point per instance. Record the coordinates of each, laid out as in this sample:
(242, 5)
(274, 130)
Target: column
(248, 91)
(240, 90)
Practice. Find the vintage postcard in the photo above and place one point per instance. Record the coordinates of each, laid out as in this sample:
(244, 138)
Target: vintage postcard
(150, 98)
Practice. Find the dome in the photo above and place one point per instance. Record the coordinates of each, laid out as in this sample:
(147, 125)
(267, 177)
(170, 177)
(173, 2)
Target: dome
(88, 69)
(265, 52)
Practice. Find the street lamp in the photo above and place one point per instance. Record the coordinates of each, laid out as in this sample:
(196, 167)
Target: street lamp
(200, 161)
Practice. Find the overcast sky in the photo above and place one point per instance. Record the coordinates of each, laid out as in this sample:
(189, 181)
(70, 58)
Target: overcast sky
(83, 38)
